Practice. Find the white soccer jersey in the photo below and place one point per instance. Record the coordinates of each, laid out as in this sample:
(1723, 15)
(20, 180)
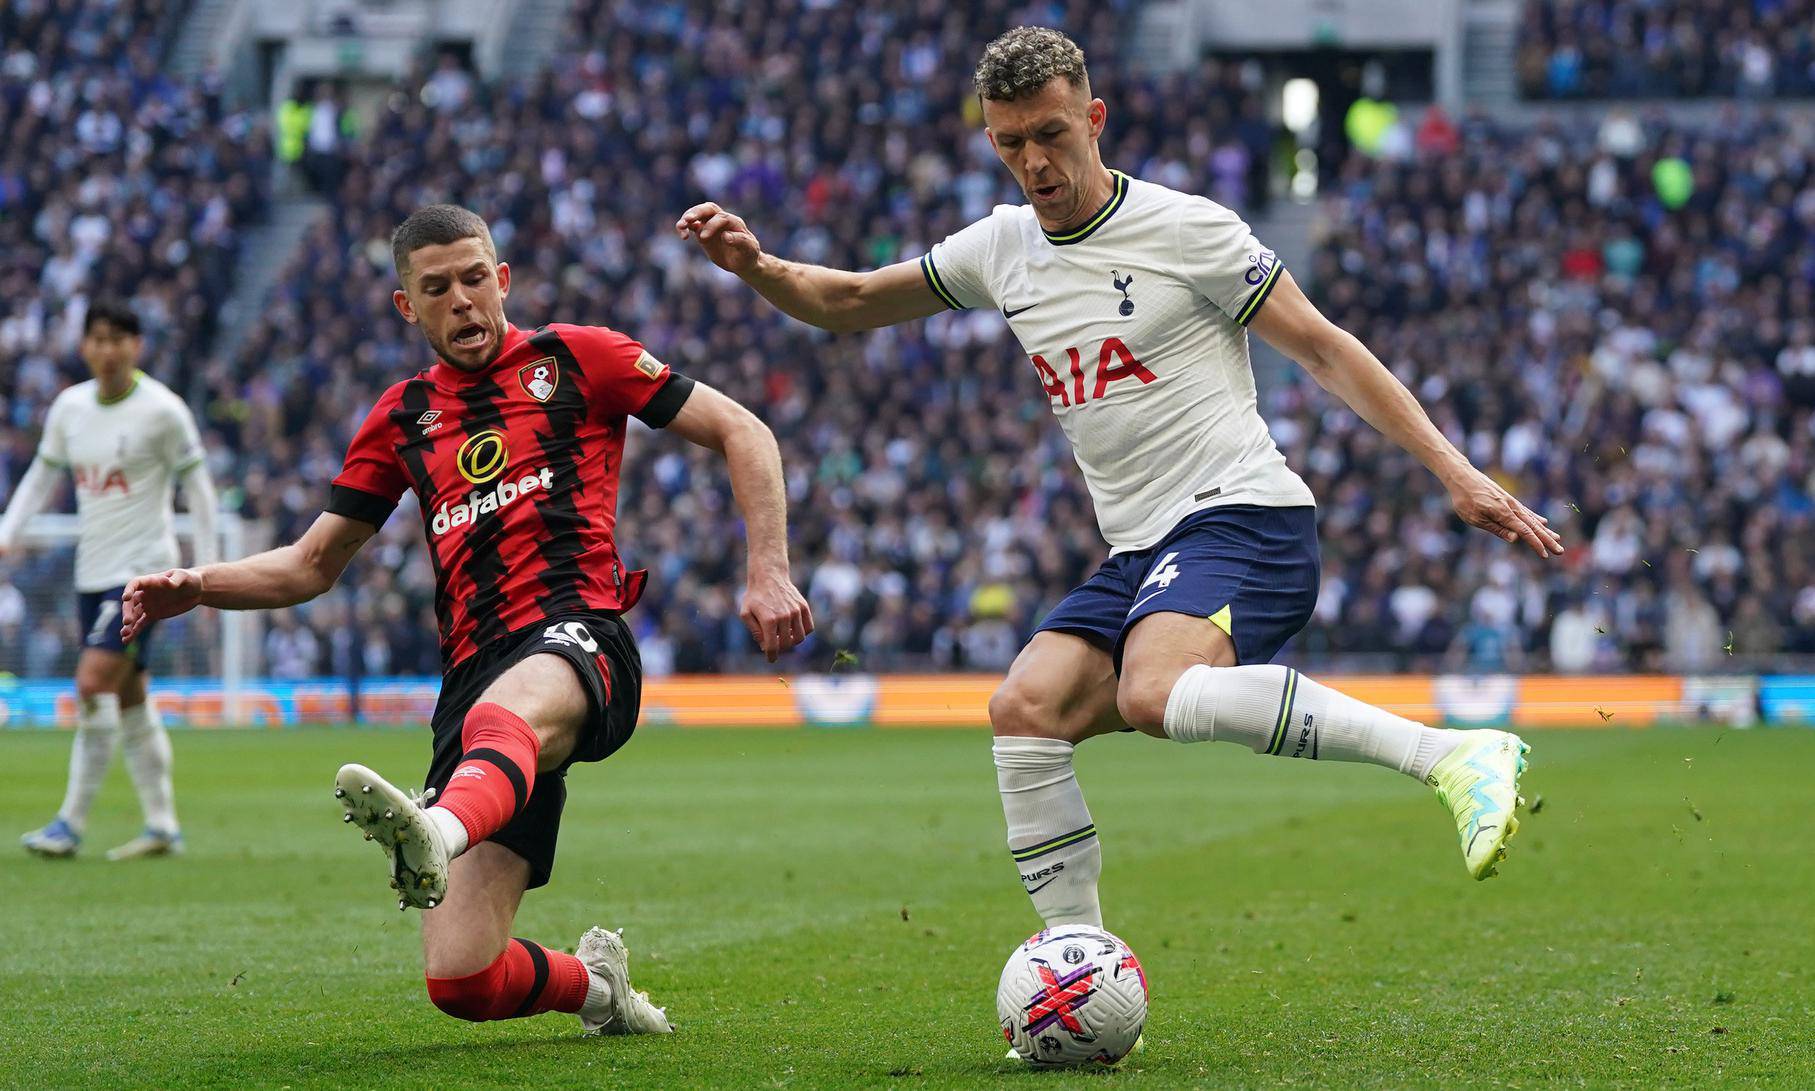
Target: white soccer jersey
(1137, 326)
(126, 455)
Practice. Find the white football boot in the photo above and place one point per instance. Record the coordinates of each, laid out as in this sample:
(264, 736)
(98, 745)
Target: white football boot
(55, 841)
(149, 842)
(399, 822)
(604, 954)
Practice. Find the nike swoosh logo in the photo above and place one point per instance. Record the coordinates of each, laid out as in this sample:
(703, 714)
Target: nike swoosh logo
(1006, 313)
(1044, 885)
(1149, 598)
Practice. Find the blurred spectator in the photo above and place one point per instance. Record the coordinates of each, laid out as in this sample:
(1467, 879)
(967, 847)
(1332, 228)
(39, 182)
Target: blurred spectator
(1667, 48)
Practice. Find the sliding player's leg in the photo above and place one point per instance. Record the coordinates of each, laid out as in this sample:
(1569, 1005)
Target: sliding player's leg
(509, 723)
(476, 970)
(99, 672)
(147, 750)
(1059, 692)
(1196, 668)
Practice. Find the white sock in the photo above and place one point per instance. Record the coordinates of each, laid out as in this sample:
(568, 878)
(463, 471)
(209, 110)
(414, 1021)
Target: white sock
(97, 731)
(148, 759)
(597, 1006)
(1050, 834)
(453, 831)
(1276, 710)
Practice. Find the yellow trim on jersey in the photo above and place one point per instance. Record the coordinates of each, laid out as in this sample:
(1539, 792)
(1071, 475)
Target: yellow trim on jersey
(1103, 214)
(1260, 295)
(122, 395)
(932, 281)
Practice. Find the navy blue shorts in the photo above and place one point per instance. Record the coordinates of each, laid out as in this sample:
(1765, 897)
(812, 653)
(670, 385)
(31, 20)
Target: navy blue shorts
(1253, 571)
(100, 616)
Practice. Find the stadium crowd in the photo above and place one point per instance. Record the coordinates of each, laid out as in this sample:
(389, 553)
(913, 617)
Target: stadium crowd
(1614, 317)
(1617, 317)
(116, 181)
(1666, 48)
(935, 509)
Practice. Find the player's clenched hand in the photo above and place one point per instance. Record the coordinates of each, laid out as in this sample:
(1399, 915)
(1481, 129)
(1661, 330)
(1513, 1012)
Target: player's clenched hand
(723, 235)
(776, 614)
(153, 598)
(1481, 502)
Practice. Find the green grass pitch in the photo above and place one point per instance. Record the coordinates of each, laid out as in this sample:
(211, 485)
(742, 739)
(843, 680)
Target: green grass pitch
(831, 908)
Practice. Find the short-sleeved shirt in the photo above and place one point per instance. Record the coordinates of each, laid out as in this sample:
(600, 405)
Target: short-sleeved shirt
(516, 468)
(126, 455)
(1136, 324)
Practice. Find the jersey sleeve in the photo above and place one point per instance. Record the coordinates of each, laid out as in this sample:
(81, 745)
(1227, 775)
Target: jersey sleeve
(53, 445)
(181, 443)
(623, 379)
(371, 481)
(1222, 259)
(957, 269)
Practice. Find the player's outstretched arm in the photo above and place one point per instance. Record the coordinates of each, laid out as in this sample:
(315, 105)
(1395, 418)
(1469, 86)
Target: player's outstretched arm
(774, 610)
(203, 504)
(266, 581)
(1342, 365)
(832, 299)
(29, 497)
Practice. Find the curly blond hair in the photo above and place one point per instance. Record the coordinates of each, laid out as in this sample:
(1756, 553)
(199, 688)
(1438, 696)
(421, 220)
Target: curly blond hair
(1026, 59)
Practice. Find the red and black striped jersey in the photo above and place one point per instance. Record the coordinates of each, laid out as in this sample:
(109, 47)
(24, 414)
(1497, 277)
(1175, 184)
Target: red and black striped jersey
(516, 467)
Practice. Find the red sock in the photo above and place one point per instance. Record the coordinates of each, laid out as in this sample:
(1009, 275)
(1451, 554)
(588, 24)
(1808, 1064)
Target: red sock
(527, 979)
(494, 778)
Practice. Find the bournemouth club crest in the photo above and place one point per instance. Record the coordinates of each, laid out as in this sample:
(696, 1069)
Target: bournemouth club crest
(540, 378)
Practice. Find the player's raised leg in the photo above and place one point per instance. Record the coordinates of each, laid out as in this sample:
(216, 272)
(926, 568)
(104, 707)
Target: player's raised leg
(149, 760)
(1059, 692)
(1181, 680)
(98, 676)
(527, 721)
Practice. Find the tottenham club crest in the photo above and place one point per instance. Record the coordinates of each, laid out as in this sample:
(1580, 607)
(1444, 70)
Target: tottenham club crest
(540, 378)
(1121, 285)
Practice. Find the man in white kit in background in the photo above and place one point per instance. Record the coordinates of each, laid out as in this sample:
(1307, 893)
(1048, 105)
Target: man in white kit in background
(127, 439)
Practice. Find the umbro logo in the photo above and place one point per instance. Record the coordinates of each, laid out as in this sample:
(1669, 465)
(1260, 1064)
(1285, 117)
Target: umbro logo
(1006, 313)
(428, 421)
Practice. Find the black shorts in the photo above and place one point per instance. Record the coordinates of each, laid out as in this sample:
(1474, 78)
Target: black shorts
(99, 612)
(604, 655)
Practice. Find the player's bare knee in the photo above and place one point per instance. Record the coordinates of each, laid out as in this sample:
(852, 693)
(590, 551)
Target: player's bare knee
(546, 692)
(1014, 710)
(1017, 712)
(1141, 698)
(463, 953)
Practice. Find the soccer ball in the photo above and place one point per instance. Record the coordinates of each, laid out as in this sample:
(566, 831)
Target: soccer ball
(1072, 995)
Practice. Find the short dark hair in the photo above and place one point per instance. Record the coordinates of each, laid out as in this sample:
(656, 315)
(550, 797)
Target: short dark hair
(114, 313)
(1026, 59)
(437, 225)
